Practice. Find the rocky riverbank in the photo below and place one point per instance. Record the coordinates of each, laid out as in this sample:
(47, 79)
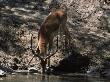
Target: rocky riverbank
(88, 23)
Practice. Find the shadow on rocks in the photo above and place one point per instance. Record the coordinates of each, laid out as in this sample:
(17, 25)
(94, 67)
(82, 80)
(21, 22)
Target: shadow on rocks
(73, 63)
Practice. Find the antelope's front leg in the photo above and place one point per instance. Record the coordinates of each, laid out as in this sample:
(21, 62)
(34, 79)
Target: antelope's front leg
(42, 48)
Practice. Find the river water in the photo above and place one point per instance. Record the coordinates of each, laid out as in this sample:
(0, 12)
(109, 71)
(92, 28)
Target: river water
(50, 78)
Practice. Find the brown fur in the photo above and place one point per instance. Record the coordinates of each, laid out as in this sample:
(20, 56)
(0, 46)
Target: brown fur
(54, 21)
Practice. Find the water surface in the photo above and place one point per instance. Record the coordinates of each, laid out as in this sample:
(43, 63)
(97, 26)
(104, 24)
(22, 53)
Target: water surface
(50, 78)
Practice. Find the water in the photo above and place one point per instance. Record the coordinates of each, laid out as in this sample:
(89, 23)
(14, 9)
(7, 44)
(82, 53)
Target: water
(50, 78)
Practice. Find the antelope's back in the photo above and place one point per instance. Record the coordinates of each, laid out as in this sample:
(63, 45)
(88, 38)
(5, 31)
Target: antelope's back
(53, 21)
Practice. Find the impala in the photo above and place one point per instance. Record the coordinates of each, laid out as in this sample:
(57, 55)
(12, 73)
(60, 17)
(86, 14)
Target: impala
(49, 29)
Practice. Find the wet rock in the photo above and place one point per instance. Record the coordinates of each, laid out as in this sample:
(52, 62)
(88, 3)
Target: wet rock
(94, 71)
(8, 70)
(99, 71)
(2, 73)
(106, 63)
(32, 70)
(103, 71)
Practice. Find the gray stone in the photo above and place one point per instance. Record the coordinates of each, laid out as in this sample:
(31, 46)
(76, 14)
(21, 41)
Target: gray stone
(2, 73)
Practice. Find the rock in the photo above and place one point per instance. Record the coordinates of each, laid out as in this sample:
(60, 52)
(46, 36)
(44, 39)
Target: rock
(6, 69)
(94, 71)
(2, 73)
(105, 73)
(99, 71)
(32, 70)
(49, 70)
(106, 63)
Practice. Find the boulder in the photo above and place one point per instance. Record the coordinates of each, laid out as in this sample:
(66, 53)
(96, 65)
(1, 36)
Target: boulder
(7, 70)
(32, 70)
(2, 73)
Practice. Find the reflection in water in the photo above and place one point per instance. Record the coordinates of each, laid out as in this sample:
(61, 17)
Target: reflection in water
(50, 78)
